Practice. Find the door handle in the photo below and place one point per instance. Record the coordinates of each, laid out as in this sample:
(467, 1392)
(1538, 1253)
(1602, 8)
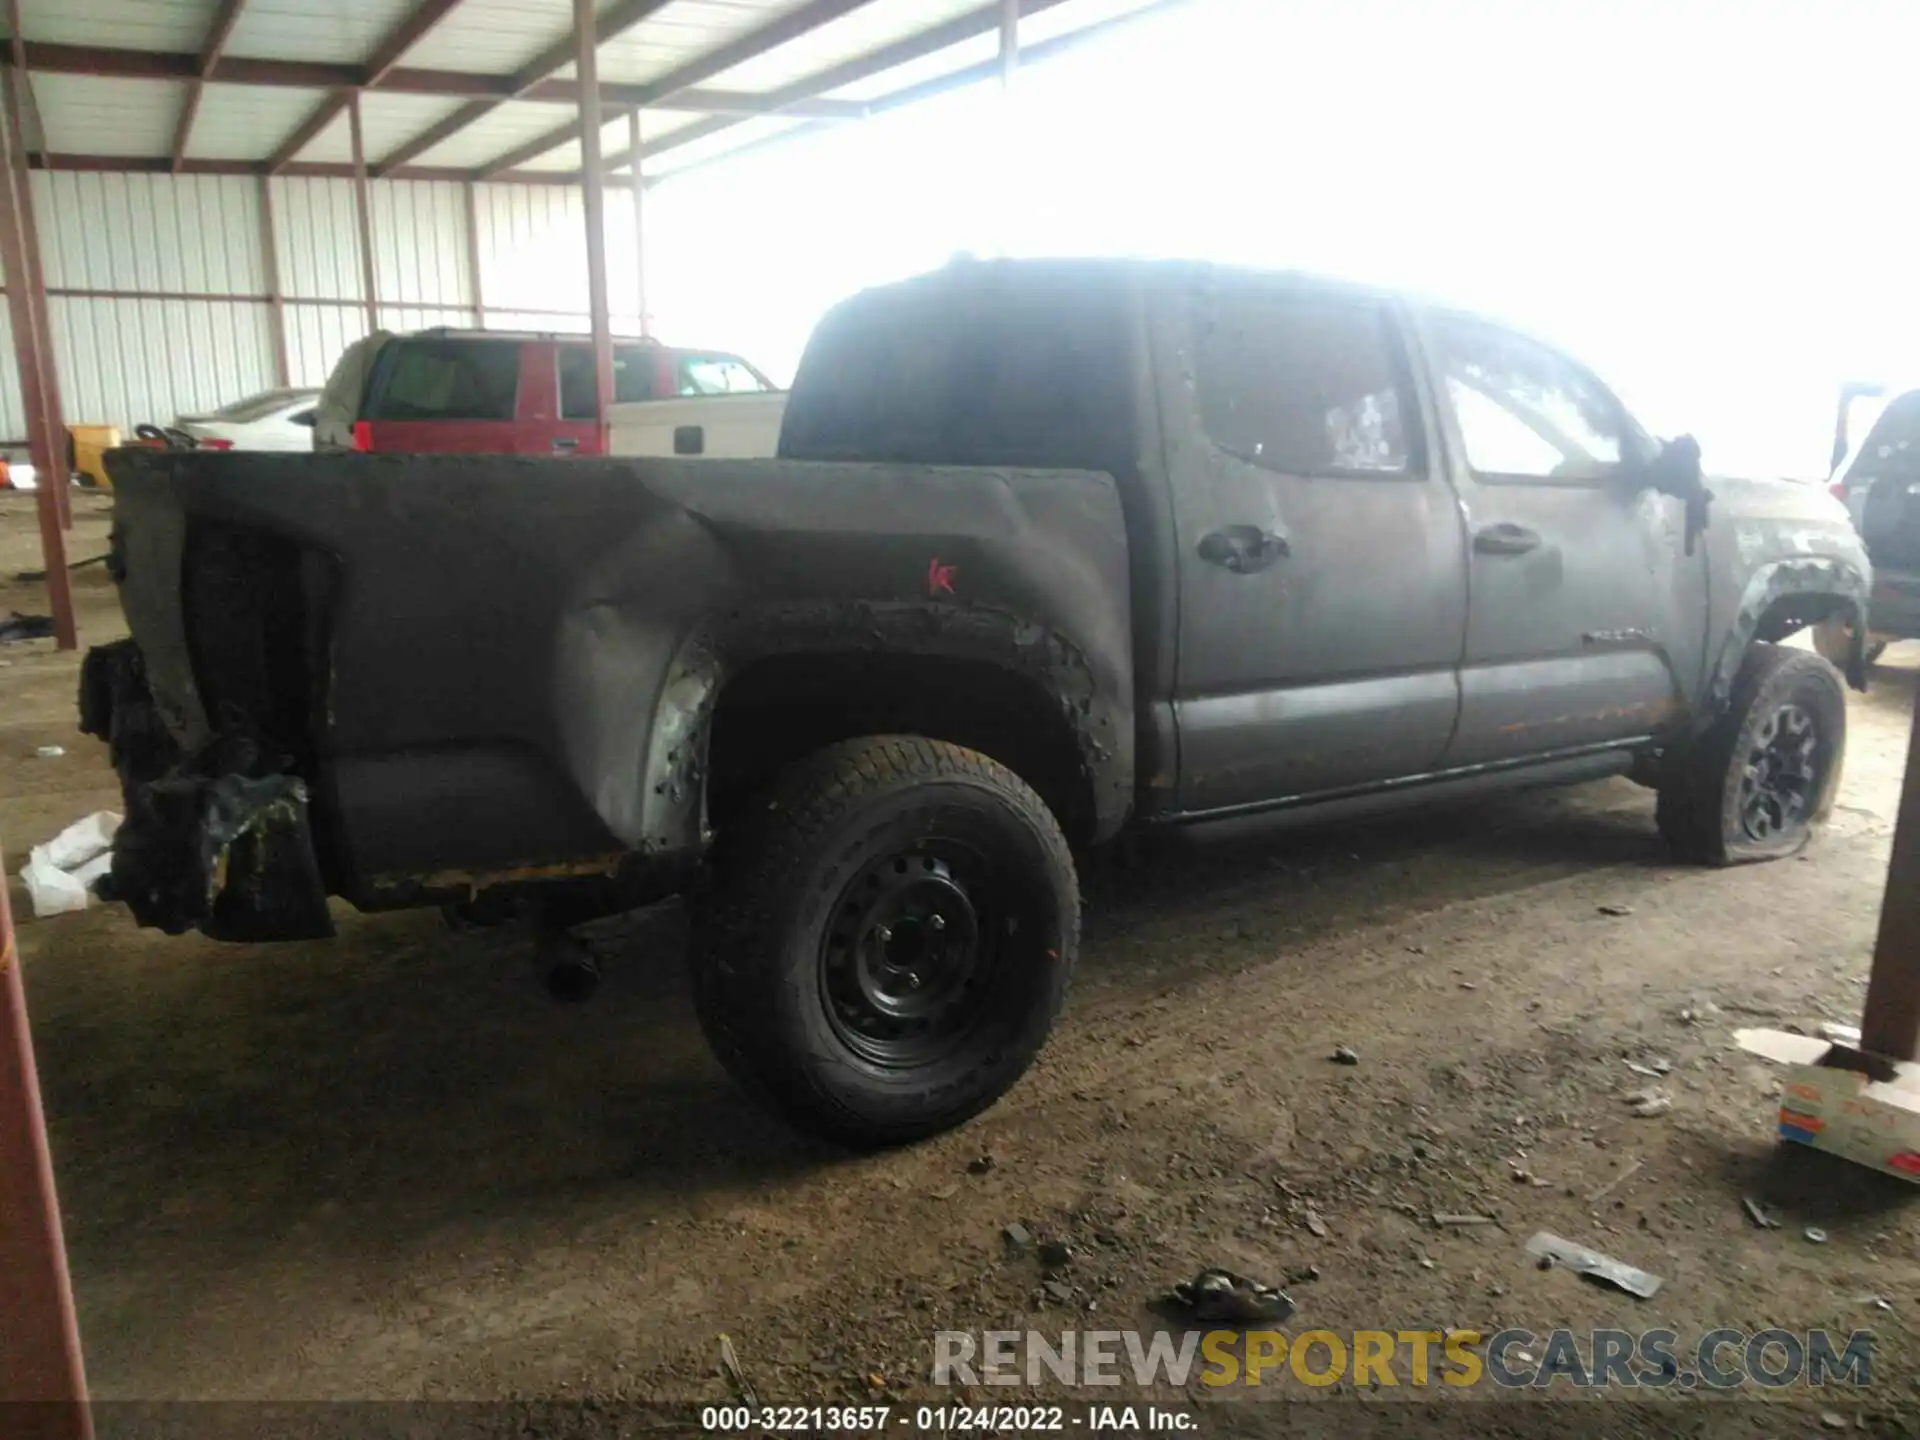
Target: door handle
(567, 442)
(1505, 538)
(1243, 549)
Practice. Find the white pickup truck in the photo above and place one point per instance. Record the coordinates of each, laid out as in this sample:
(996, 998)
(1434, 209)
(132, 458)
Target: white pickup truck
(721, 427)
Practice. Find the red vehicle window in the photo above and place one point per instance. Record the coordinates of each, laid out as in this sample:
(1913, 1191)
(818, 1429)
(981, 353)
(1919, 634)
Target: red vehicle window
(634, 370)
(449, 380)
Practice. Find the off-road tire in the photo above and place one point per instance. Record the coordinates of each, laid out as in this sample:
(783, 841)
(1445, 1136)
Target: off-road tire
(1700, 806)
(781, 886)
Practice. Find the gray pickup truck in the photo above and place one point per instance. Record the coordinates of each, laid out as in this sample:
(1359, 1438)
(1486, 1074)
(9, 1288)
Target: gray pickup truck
(1052, 550)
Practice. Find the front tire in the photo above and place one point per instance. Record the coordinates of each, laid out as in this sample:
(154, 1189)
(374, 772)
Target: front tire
(1763, 777)
(888, 940)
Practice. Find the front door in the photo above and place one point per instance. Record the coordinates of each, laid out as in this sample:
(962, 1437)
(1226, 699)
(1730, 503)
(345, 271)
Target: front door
(1323, 587)
(1586, 626)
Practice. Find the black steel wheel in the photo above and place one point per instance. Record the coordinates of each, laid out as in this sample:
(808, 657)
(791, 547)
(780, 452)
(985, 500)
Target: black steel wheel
(1780, 781)
(1758, 783)
(888, 939)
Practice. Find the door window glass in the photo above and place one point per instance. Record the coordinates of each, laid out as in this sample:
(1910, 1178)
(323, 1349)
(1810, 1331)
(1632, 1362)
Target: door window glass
(633, 375)
(1302, 382)
(1525, 412)
(450, 380)
(718, 375)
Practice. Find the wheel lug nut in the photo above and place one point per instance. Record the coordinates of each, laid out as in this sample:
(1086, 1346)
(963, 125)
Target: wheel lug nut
(936, 922)
(884, 933)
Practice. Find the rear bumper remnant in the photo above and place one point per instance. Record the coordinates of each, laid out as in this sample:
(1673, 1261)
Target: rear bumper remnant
(218, 840)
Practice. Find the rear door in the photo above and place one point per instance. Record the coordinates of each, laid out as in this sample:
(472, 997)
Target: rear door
(434, 393)
(1323, 588)
(636, 376)
(1586, 623)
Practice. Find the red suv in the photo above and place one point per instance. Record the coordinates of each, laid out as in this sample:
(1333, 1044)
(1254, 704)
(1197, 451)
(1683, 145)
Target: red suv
(502, 392)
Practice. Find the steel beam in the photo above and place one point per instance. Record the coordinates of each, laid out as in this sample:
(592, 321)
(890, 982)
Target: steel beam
(331, 170)
(775, 33)
(888, 57)
(900, 99)
(622, 16)
(637, 183)
(270, 269)
(587, 64)
(43, 1381)
(17, 98)
(473, 255)
(45, 444)
(218, 33)
(411, 29)
(363, 209)
(110, 63)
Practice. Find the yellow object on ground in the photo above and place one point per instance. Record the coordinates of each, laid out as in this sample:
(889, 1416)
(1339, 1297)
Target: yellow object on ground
(90, 443)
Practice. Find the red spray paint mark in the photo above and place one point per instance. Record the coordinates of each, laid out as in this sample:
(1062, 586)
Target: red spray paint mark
(940, 577)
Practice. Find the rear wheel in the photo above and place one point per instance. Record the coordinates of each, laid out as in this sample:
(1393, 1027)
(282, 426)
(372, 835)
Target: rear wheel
(1756, 785)
(888, 940)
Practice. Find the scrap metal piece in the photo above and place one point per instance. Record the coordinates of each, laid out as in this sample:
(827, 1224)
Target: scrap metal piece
(1757, 1213)
(1607, 1189)
(736, 1372)
(1593, 1265)
(1221, 1295)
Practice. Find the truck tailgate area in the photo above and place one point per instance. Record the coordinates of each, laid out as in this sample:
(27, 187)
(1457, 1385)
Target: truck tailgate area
(448, 675)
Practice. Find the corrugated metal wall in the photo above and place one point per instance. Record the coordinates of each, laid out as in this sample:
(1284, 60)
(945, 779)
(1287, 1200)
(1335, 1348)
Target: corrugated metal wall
(160, 302)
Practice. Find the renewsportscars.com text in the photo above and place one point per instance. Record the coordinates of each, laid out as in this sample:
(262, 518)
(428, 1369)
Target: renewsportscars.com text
(1514, 1359)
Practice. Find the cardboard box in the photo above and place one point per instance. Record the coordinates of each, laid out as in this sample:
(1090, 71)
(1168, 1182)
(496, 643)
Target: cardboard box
(1831, 1107)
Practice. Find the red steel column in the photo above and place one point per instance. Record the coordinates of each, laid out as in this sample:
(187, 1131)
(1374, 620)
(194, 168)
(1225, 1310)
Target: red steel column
(40, 1360)
(639, 220)
(48, 449)
(587, 63)
(270, 265)
(16, 98)
(363, 206)
(1891, 1024)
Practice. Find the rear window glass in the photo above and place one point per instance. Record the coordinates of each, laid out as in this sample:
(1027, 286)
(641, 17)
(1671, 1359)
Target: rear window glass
(448, 380)
(633, 378)
(992, 371)
(1299, 381)
(1892, 447)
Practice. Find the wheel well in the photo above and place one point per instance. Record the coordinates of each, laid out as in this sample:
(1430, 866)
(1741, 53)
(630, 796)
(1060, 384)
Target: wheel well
(787, 706)
(1790, 613)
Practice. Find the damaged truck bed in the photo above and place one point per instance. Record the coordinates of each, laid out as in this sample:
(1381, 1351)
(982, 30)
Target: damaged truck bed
(420, 679)
(1051, 549)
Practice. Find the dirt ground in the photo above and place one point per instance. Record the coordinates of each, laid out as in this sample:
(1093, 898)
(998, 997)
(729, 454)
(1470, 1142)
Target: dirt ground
(386, 1166)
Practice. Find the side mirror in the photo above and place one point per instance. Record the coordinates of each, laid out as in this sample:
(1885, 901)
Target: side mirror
(1676, 471)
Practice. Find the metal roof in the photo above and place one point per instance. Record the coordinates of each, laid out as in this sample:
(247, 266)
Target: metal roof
(485, 89)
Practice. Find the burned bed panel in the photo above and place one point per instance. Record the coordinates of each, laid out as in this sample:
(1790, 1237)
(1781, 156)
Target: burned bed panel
(506, 665)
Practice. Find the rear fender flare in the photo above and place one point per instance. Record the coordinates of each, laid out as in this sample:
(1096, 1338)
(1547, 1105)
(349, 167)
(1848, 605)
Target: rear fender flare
(1093, 705)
